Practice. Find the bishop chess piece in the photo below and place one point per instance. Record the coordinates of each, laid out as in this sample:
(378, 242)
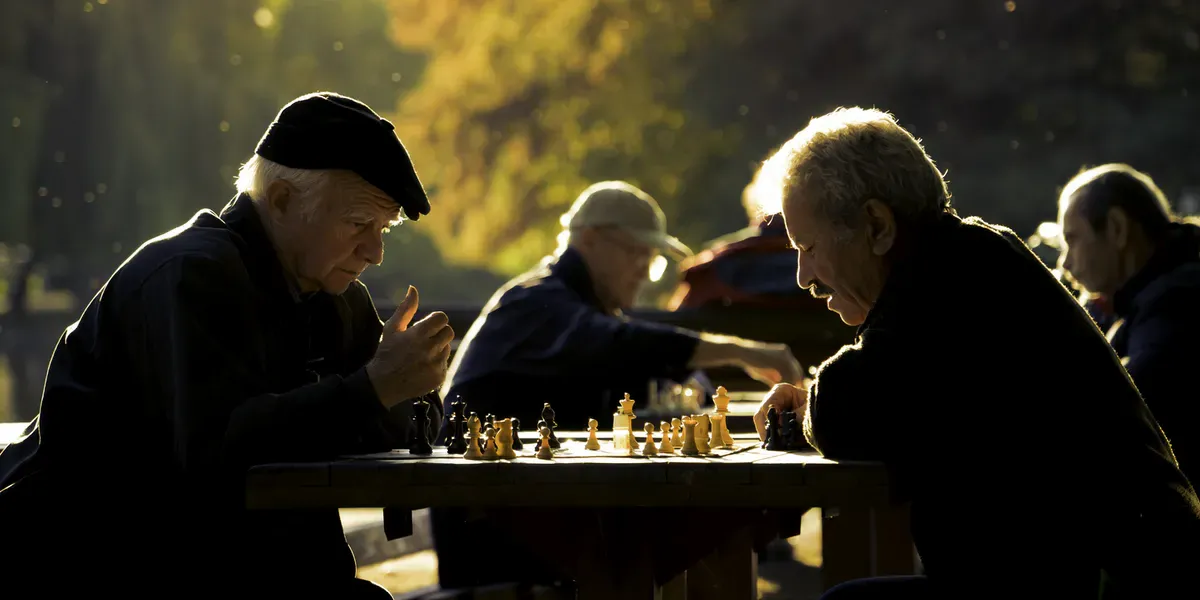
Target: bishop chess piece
(649, 449)
(665, 446)
(703, 426)
(548, 417)
(774, 432)
(545, 453)
(592, 442)
(504, 439)
(677, 433)
(490, 452)
(421, 418)
(689, 438)
(473, 452)
(517, 444)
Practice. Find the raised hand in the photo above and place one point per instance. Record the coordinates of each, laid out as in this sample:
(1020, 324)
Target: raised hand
(412, 358)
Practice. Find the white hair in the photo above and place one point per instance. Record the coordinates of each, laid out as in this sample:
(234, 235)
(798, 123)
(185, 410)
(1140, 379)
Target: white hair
(258, 172)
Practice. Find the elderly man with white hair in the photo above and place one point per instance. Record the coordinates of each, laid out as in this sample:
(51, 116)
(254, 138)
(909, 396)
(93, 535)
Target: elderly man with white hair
(1032, 471)
(237, 338)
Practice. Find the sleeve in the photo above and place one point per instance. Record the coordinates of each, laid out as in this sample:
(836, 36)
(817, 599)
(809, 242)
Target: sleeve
(854, 411)
(202, 360)
(576, 338)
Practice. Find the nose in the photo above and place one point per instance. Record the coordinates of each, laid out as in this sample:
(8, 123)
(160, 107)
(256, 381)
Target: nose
(371, 248)
(805, 276)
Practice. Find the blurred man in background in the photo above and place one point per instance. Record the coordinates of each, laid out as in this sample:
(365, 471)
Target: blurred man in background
(930, 389)
(1122, 242)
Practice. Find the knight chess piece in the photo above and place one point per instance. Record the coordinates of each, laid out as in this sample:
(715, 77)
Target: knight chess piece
(421, 418)
(504, 440)
(548, 417)
(592, 442)
(649, 449)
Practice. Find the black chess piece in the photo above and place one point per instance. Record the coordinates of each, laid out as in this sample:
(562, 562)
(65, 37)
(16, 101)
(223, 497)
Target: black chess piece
(538, 445)
(787, 428)
(489, 421)
(795, 436)
(421, 418)
(548, 417)
(774, 434)
(517, 444)
(458, 427)
(452, 420)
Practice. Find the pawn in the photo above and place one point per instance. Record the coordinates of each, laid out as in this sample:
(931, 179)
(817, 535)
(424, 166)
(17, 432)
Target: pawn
(689, 438)
(649, 449)
(544, 451)
(517, 444)
(538, 445)
(490, 452)
(665, 447)
(676, 433)
(592, 442)
(473, 452)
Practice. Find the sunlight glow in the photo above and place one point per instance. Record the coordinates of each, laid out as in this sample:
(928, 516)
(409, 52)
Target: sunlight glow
(263, 17)
(658, 267)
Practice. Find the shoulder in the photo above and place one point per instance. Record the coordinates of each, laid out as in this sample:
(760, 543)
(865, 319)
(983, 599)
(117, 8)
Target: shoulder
(1175, 293)
(203, 247)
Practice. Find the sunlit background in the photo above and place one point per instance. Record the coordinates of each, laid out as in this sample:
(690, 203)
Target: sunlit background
(121, 118)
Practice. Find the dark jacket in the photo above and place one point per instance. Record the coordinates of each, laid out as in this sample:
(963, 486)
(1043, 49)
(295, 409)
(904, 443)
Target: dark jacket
(1158, 335)
(751, 268)
(544, 337)
(194, 361)
(1030, 468)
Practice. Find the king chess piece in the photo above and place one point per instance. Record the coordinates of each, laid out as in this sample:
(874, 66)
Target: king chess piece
(592, 442)
(452, 421)
(517, 444)
(721, 401)
(622, 422)
(458, 426)
(421, 418)
(548, 417)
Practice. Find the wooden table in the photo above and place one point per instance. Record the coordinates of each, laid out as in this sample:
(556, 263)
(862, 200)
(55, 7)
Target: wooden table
(654, 517)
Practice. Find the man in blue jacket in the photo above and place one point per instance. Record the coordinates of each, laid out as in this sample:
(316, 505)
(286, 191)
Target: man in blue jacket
(1123, 243)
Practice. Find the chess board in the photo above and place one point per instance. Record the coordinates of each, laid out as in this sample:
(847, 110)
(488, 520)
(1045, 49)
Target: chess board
(572, 447)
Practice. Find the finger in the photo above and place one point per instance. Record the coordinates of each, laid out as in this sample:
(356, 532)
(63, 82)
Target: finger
(404, 311)
(443, 359)
(431, 324)
(441, 340)
(760, 422)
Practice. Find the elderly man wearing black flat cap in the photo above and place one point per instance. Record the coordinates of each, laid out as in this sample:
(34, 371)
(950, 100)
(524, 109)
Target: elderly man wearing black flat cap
(238, 338)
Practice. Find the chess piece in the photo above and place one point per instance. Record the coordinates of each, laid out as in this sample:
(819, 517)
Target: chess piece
(452, 419)
(703, 426)
(721, 401)
(473, 452)
(631, 445)
(421, 418)
(517, 444)
(622, 421)
(649, 449)
(504, 440)
(548, 417)
(665, 446)
(774, 432)
(544, 451)
(676, 433)
(689, 438)
(717, 440)
(489, 421)
(489, 452)
(538, 445)
(592, 442)
(787, 428)
(457, 444)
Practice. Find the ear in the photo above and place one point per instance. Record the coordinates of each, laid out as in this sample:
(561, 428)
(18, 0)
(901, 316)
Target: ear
(1116, 227)
(280, 198)
(881, 226)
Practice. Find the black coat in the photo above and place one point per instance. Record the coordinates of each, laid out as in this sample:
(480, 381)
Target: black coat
(1158, 335)
(1029, 457)
(194, 361)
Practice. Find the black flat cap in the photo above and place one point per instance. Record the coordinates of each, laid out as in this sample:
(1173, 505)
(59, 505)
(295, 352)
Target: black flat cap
(325, 130)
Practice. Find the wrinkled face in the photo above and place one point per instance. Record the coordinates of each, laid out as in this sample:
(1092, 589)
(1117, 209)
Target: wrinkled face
(844, 266)
(330, 237)
(619, 265)
(1090, 256)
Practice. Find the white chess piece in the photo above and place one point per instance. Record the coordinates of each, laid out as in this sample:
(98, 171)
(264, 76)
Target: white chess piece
(649, 448)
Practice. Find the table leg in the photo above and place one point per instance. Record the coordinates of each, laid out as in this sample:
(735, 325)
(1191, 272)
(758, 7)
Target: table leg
(865, 542)
(731, 571)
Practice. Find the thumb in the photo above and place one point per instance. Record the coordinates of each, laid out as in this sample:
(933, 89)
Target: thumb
(404, 311)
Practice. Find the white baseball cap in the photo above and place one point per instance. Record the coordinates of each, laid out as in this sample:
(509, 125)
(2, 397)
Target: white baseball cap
(619, 204)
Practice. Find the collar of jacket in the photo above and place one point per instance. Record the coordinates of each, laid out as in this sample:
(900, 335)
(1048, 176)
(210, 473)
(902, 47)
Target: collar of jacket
(1181, 246)
(571, 269)
(262, 260)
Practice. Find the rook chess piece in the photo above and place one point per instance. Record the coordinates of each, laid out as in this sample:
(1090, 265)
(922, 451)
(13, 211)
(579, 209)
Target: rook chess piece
(677, 433)
(489, 452)
(689, 438)
(702, 429)
(718, 431)
(592, 442)
(504, 440)
(665, 446)
(517, 444)
(421, 418)
(649, 449)
(545, 453)
(548, 417)
(473, 452)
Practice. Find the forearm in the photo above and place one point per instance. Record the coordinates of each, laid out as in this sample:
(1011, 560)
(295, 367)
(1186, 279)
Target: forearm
(717, 351)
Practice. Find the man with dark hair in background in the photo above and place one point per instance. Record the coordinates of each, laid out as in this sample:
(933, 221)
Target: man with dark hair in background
(1122, 243)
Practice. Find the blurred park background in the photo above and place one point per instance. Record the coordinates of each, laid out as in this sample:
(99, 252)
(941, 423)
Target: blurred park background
(119, 119)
